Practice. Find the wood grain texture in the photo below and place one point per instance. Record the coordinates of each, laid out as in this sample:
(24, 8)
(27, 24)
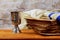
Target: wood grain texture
(26, 34)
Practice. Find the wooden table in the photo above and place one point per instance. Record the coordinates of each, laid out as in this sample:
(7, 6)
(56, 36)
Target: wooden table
(26, 34)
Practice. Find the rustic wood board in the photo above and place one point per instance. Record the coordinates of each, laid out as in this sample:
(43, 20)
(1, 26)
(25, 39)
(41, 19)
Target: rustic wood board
(26, 34)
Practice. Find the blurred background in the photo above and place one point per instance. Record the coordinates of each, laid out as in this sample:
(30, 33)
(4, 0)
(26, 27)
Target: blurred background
(6, 6)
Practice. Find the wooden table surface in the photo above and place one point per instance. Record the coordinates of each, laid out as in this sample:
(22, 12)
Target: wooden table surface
(26, 34)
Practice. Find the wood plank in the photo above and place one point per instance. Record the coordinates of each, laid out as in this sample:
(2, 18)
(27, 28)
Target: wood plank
(26, 34)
